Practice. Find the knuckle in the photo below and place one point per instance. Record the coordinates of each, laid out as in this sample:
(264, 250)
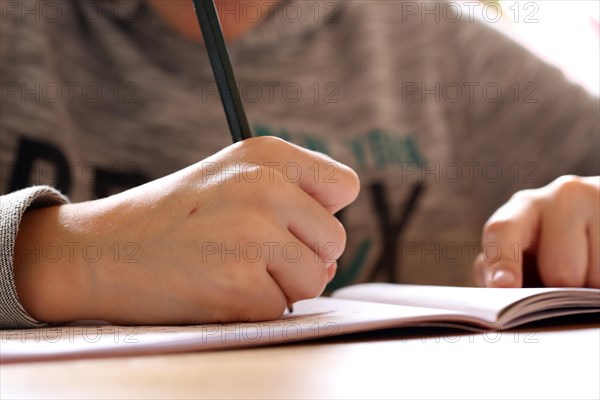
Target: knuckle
(269, 141)
(568, 190)
(566, 179)
(524, 195)
(496, 226)
(267, 146)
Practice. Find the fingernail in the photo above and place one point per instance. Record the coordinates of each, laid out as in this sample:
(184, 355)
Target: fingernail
(502, 278)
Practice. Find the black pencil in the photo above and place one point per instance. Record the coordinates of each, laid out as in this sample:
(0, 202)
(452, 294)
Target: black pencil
(223, 72)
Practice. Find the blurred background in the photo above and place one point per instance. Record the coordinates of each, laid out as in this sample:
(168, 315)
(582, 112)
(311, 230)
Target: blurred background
(563, 32)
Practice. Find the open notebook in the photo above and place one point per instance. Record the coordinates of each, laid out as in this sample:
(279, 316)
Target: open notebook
(353, 309)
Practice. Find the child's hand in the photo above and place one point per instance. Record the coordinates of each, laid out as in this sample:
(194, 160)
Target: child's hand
(558, 228)
(233, 238)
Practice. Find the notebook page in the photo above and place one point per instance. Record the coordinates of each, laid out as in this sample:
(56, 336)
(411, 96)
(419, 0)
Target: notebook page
(484, 303)
(321, 317)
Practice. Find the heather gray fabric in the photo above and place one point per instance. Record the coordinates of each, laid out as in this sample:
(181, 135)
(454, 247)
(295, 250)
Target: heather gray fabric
(442, 120)
(12, 207)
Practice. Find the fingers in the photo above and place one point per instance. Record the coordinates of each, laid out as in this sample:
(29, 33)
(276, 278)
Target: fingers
(333, 184)
(505, 236)
(309, 251)
(562, 219)
(563, 248)
(313, 225)
(297, 270)
(593, 232)
(566, 250)
(593, 241)
(278, 201)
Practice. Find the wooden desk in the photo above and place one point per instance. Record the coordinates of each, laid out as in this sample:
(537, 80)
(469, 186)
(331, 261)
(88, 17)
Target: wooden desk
(537, 362)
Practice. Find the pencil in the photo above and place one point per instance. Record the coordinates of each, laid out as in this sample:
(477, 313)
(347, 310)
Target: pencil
(223, 72)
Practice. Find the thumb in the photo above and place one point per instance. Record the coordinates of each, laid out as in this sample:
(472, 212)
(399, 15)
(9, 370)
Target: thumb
(505, 236)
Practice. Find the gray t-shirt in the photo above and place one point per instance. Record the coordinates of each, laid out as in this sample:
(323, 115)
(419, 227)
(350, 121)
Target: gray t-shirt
(442, 117)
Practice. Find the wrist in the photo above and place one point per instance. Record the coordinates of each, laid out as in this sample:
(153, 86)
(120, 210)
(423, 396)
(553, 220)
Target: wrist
(50, 278)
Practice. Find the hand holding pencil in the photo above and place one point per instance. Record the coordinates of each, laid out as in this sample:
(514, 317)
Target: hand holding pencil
(228, 239)
(223, 72)
(225, 78)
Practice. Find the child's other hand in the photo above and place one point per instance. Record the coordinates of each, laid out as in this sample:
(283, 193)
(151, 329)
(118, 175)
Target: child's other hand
(235, 237)
(556, 229)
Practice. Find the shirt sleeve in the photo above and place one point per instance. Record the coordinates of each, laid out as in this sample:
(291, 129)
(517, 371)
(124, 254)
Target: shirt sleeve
(12, 208)
(526, 122)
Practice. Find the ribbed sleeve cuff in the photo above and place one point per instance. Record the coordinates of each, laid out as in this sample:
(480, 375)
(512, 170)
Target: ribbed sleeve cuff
(12, 208)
